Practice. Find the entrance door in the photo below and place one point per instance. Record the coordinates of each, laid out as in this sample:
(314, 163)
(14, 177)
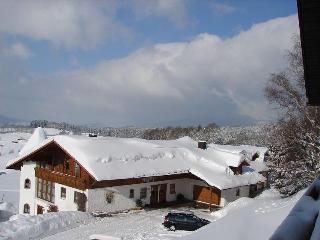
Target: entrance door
(39, 209)
(162, 193)
(154, 195)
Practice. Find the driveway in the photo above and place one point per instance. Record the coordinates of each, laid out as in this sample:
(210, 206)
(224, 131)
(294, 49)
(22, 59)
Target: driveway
(139, 225)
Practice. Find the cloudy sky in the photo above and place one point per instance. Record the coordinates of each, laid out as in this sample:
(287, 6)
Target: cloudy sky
(142, 62)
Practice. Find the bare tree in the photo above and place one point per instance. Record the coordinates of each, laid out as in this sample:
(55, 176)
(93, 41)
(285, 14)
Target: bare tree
(296, 146)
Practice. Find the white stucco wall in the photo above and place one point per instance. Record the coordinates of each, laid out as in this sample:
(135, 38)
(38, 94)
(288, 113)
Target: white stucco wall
(229, 195)
(121, 201)
(27, 195)
(63, 204)
(96, 198)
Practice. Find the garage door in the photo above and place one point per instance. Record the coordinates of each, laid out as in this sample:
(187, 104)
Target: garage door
(206, 194)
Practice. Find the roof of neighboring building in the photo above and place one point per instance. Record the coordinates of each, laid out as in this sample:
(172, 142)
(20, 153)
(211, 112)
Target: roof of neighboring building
(108, 158)
(249, 152)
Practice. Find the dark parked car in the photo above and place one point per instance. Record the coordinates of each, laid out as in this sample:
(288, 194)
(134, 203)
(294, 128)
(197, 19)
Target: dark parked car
(183, 221)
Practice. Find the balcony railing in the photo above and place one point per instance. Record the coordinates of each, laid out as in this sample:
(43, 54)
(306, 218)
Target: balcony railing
(61, 178)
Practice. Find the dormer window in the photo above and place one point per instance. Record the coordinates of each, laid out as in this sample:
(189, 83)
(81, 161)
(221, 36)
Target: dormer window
(255, 156)
(27, 183)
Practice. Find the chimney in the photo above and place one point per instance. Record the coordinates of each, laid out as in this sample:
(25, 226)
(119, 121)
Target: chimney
(202, 145)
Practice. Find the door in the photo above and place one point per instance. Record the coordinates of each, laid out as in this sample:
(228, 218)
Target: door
(154, 195)
(162, 193)
(80, 199)
(206, 195)
(39, 209)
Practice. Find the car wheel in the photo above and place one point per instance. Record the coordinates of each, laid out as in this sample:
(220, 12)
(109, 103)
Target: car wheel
(172, 228)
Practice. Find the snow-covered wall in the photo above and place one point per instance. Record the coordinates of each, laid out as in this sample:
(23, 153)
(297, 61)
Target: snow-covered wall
(27, 195)
(229, 195)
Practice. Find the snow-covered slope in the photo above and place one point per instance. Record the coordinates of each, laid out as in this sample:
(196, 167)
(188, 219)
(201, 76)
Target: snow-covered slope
(248, 218)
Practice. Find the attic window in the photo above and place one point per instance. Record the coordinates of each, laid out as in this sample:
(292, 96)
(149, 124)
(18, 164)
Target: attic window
(66, 165)
(255, 156)
(76, 170)
(27, 183)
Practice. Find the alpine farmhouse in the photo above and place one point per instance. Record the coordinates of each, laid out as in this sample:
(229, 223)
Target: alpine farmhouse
(105, 174)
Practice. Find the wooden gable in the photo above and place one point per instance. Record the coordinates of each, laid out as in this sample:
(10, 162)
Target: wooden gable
(55, 164)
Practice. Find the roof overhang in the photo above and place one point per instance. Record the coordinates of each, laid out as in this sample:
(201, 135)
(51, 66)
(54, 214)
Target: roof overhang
(309, 19)
(17, 163)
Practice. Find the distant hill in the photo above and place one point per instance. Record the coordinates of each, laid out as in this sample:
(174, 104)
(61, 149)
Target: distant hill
(9, 120)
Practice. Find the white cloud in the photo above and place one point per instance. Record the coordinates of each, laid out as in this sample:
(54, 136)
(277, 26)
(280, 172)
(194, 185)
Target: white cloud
(174, 10)
(64, 23)
(15, 50)
(208, 78)
(223, 8)
(20, 50)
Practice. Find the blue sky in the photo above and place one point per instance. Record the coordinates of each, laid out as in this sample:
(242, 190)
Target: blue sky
(135, 62)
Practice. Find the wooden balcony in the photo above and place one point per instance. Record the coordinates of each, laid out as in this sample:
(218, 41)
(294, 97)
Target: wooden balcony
(61, 178)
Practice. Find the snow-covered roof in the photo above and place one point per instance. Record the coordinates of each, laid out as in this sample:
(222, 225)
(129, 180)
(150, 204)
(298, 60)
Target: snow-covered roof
(108, 158)
(248, 151)
(38, 136)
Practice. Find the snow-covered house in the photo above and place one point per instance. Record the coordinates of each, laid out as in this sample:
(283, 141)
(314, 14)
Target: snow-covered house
(107, 174)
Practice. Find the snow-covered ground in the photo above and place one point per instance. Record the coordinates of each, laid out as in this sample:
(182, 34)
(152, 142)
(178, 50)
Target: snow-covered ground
(248, 218)
(10, 145)
(245, 218)
(141, 225)
(35, 227)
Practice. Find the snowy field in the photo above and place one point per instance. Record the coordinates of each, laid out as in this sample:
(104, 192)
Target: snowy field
(10, 144)
(248, 218)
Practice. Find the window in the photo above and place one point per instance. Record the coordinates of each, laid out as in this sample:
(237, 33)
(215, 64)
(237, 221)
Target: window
(172, 188)
(45, 190)
(26, 208)
(66, 166)
(131, 195)
(63, 192)
(109, 197)
(27, 183)
(143, 193)
(238, 192)
(76, 170)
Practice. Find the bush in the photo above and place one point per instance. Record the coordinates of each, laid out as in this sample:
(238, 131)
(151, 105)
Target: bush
(139, 203)
(180, 197)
